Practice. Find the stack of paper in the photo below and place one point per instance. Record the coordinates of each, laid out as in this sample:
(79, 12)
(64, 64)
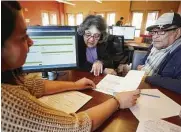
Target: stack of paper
(68, 102)
(154, 105)
(111, 83)
(157, 126)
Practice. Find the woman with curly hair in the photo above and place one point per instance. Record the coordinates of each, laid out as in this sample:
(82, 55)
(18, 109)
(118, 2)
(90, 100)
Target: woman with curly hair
(93, 47)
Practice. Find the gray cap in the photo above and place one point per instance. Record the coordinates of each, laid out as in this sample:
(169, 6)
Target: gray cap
(166, 20)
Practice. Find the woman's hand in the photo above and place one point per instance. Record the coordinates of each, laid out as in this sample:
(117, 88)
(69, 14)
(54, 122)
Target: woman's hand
(84, 83)
(127, 99)
(97, 68)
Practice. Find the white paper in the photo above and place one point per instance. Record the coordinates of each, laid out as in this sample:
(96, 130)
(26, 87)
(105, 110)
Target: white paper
(135, 76)
(68, 102)
(157, 126)
(149, 107)
(111, 83)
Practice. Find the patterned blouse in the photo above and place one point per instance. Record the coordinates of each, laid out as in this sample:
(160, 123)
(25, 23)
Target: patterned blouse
(21, 111)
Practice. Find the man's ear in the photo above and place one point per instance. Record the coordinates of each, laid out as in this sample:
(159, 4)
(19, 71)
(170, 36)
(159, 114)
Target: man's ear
(178, 33)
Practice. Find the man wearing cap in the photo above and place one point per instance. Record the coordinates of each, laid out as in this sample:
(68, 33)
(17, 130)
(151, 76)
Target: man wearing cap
(163, 62)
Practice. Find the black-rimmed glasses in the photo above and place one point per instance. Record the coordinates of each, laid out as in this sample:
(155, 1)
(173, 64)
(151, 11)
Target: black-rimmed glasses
(161, 32)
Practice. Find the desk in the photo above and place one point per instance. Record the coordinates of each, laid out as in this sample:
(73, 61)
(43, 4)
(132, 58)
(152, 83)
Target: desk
(122, 120)
(137, 45)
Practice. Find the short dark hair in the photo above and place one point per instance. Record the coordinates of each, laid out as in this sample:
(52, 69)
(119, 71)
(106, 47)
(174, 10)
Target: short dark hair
(121, 18)
(97, 21)
(9, 10)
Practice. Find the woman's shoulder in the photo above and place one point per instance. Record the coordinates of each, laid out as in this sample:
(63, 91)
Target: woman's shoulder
(9, 88)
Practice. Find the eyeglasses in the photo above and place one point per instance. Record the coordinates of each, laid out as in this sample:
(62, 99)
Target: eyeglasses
(96, 36)
(161, 32)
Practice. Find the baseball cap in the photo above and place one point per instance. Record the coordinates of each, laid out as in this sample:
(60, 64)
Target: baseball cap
(166, 20)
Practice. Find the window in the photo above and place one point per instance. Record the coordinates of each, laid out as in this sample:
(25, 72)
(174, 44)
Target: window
(100, 14)
(71, 20)
(137, 21)
(49, 18)
(79, 18)
(151, 18)
(53, 19)
(142, 19)
(45, 18)
(111, 19)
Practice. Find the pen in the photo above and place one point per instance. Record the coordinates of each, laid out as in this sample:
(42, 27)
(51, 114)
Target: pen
(150, 95)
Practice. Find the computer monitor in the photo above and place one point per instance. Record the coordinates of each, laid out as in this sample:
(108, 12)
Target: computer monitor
(127, 31)
(54, 48)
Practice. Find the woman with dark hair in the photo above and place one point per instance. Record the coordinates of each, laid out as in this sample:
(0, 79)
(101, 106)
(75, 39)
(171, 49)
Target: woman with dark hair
(93, 47)
(20, 108)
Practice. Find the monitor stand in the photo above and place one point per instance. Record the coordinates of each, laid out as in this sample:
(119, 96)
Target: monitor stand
(53, 75)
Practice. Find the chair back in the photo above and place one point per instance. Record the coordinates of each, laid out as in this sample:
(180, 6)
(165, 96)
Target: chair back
(138, 56)
(147, 38)
(116, 44)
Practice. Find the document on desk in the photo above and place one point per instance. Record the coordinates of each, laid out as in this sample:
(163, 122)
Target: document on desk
(68, 102)
(132, 80)
(111, 83)
(157, 126)
(153, 104)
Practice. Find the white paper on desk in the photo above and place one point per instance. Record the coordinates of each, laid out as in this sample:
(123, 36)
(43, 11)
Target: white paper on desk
(68, 102)
(131, 81)
(157, 126)
(111, 83)
(135, 76)
(148, 107)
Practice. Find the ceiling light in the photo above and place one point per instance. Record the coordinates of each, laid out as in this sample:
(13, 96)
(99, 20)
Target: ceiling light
(99, 1)
(66, 2)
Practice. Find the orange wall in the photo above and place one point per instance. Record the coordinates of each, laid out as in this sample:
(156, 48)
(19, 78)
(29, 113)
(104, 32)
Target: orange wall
(120, 7)
(146, 6)
(162, 6)
(32, 10)
(179, 9)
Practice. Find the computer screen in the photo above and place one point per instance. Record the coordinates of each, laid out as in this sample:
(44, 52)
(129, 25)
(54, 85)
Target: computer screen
(127, 32)
(54, 48)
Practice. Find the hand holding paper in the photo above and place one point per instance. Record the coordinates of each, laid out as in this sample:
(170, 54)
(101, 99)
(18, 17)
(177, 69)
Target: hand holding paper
(127, 99)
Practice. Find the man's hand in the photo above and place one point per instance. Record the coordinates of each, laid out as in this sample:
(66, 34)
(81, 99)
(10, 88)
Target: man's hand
(127, 99)
(97, 68)
(110, 71)
(84, 83)
(139, 67)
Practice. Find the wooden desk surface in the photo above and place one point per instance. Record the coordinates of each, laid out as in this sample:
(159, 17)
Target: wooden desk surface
(122, 120)
(137, 45)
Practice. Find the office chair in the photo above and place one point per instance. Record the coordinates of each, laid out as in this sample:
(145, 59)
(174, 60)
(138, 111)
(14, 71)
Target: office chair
(146, 38)
(138, 56)
(116, 50)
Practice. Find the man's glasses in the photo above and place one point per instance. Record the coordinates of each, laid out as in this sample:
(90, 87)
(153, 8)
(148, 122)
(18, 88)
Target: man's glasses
(96, 36)
(161, 32)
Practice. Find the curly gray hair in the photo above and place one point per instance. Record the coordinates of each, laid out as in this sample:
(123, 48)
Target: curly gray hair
(97, 21)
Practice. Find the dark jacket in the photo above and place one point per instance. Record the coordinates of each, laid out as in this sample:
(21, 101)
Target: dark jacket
(119, 23)
(102, 54)
(169, 74)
